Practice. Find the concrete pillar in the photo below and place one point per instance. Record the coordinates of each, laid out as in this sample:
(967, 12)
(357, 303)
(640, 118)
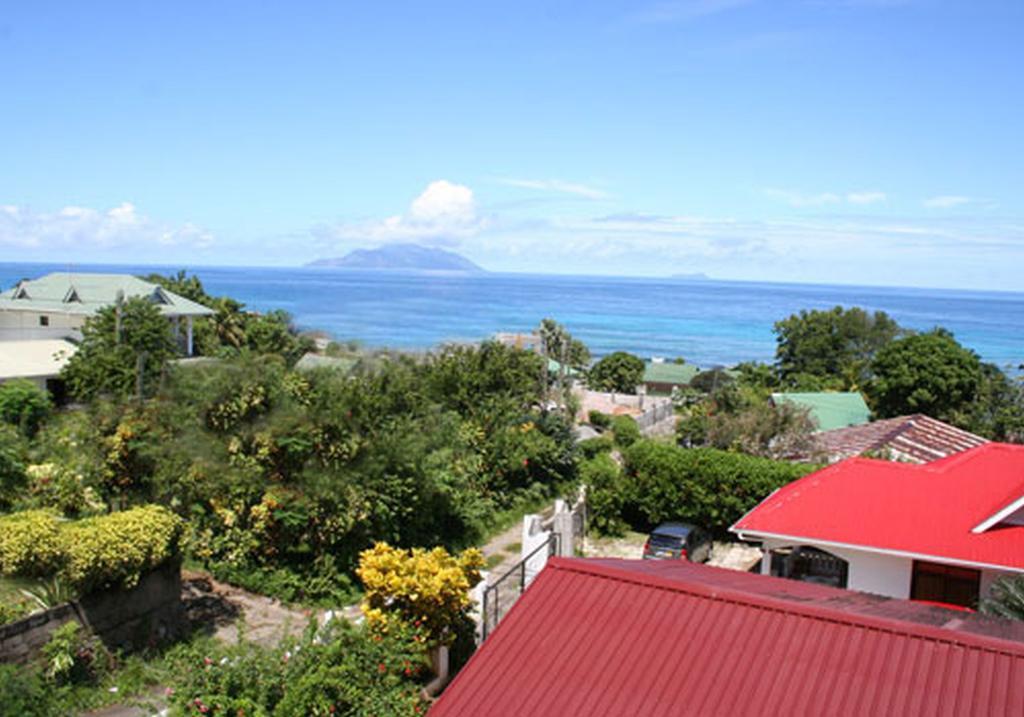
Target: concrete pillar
(563, 526)
(188, 329)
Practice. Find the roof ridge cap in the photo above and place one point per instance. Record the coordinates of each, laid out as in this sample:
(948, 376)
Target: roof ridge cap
(810, 610)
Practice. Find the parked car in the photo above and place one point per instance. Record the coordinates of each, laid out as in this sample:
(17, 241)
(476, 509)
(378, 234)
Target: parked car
(678, 541)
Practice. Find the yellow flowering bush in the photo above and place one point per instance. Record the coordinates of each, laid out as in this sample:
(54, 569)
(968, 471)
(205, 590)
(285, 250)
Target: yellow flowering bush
(31, 543)
(117, 549)
(107, 550)
(427, 588)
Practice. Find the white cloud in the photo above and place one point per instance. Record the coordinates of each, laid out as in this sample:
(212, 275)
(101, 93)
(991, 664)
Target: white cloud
(82, 228)
(799, 199)
(865, 197)
(445, 213)
(557, 185)
(947, 201)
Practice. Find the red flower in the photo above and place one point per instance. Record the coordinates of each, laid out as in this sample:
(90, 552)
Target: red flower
(382, 668)
(526, 461)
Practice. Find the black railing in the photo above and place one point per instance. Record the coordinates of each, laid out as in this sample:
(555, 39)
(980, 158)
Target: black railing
(503, 592)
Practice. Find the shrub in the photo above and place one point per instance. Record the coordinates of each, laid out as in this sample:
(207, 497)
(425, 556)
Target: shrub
(626, 431)
(31, 544)
(12, 466)
(24, 404)
(595, 446)
(111, 550)
(705, 486)
(429, 589)
(25, 693)
(602, 476)
(599, 419)
(336, 670)
(117, 549)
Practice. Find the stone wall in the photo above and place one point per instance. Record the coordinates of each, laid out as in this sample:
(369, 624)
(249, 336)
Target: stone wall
(147, 614)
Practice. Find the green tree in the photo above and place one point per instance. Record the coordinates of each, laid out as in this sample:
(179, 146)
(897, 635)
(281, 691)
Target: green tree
(23, 404)
(928, 373)
(12, 466)
(837, 344)
(1007, 599)
(124, 347)
(620, 371)
(561, 346)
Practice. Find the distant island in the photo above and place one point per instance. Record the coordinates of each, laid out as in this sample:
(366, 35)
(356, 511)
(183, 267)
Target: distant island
(696, 276)
(409, 257)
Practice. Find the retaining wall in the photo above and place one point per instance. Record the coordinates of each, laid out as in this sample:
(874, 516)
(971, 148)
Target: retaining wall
(128, 620)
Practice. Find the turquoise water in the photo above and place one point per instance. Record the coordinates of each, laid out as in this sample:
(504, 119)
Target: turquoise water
(707, 322)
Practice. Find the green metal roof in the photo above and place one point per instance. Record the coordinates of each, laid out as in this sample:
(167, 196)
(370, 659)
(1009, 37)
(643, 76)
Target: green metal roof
(674, 373)
(829, 410)
(85, 294)
(556, 367)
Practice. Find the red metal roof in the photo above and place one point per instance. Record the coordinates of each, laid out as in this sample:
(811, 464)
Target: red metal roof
(917, 439)
(918, 510)
(650, 638)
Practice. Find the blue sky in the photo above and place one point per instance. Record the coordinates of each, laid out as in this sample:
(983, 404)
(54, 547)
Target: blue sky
(853, 141)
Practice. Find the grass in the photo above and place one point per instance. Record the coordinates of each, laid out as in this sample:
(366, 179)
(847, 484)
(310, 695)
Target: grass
(493, 561)
(10, 589)
(513, 548)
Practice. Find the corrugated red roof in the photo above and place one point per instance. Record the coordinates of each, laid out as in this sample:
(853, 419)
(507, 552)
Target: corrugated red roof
(918, 510)
(917, 438)
(626, 637)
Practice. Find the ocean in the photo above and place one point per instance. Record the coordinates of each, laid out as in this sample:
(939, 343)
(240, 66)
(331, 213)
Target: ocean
(707, 322)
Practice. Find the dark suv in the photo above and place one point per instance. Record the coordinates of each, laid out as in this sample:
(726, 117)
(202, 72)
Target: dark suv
(678, 541)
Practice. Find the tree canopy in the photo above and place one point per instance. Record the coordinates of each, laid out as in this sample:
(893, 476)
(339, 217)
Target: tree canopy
(619, 371)
(835, 346)
(124, 348)
(927, 373)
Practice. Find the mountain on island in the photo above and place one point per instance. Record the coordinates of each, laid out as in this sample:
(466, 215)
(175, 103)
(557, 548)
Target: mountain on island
(408, 257)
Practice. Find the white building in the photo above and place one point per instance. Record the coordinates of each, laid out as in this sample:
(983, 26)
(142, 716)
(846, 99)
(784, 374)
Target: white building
(56, 306)
(939, 532)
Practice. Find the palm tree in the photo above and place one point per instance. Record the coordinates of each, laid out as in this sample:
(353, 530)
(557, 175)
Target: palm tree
(1007, 599)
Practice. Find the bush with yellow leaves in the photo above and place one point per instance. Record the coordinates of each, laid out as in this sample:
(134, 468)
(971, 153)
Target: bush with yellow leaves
(107, 550)
(428, 589)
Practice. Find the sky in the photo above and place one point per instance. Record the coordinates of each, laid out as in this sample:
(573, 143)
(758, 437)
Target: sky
(827, 141)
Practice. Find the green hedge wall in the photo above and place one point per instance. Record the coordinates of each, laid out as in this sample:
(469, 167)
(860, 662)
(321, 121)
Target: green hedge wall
(704, 486)
(107, 551)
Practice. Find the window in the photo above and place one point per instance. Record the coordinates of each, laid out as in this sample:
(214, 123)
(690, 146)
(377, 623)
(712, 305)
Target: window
(44, 320)
(945, 583)
(809, 565)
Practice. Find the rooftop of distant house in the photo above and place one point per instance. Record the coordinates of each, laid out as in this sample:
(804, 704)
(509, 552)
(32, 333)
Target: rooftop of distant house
(915, 439)
(676, 374)
(85, 294)
(630, 637)
(40, 358)
(967, 509)
(829, 410)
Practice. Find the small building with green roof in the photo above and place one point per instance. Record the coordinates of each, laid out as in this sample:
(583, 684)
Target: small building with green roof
(829, 410)
(56, 306)
(661, 377)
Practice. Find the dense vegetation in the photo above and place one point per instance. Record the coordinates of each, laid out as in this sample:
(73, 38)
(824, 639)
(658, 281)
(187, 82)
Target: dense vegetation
(284, 477)
(898, 371)
(619, 371)
(659, 482)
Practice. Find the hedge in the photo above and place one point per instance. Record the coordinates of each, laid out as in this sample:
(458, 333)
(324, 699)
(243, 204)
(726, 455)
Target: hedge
(704, 486)
(107, 551)
(31, 544)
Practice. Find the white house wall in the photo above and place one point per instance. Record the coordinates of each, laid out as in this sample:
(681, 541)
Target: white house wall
(876, 573)
(24, 326)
